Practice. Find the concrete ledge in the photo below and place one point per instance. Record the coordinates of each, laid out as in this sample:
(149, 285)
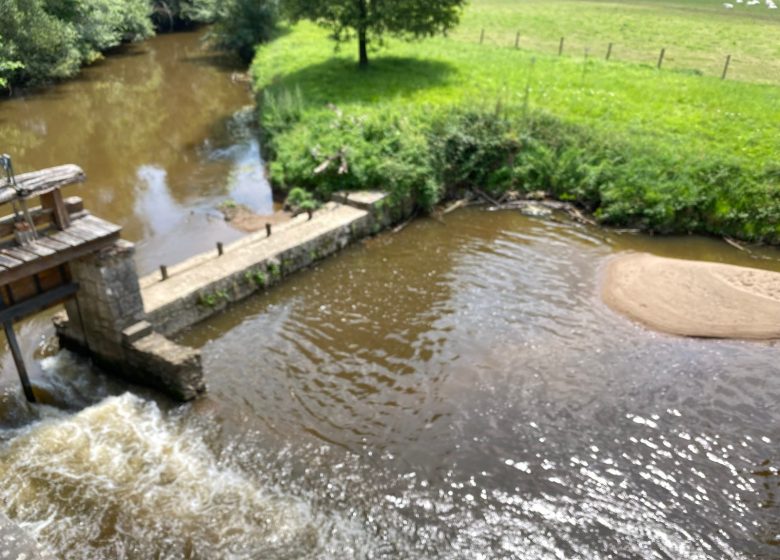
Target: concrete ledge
(175, 369)
(198, 288)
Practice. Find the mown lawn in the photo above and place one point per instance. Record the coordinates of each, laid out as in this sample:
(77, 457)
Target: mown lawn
(683, 151)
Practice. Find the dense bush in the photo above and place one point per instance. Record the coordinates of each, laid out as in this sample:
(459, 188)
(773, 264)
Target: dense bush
(243, 24)
(51, 39)
(435, 154)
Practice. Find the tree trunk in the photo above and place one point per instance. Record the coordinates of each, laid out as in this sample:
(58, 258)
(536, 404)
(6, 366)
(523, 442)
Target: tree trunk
(363, 46)
(363, 33)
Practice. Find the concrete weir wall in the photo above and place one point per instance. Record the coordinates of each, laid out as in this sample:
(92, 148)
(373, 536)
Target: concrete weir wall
(128, 321)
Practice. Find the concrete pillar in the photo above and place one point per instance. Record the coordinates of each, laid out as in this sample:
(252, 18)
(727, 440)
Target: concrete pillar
(106, 320)
(108, 301)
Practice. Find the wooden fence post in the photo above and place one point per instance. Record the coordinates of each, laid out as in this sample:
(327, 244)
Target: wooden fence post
(726, 67)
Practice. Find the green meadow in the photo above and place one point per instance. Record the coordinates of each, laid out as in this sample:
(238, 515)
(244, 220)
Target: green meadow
(676, 150)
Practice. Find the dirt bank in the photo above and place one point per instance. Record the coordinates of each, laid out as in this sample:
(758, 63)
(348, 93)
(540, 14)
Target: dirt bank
(693, 298)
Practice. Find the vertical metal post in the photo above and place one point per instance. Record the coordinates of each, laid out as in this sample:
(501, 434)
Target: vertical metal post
(16, 352)
(164, 272)
(268, 229)
(220, 248)
(517, 40)
(661, 58)
(560, 47)
(609, 51)
(726, 67)
(482, 37)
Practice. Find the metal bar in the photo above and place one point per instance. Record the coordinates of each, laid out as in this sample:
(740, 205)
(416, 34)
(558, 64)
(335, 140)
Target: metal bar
(16, 352)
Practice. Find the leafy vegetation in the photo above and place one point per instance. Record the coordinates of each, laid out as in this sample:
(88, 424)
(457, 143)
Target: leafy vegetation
(369, 21)
(665, 151)
(45, 40)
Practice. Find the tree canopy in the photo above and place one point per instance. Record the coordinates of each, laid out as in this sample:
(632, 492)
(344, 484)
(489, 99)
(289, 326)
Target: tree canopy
(369, 20)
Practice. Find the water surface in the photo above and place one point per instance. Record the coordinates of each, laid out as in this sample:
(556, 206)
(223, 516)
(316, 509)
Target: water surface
(456, 390)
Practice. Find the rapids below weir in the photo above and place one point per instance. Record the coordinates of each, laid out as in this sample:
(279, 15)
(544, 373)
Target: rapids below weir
(455, 390)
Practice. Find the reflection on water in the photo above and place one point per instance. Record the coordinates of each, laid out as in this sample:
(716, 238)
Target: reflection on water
(159, 131)
(451, 391)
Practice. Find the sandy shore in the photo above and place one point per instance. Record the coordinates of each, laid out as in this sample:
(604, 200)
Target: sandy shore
(693, 298)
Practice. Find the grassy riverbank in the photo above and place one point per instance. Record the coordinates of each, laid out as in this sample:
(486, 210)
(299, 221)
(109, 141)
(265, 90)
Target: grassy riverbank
(668, 151)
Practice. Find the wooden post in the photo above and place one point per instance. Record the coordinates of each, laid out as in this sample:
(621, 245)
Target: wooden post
(220, 249)
(482, 36)
(310, 213)
(609, 51)
(16, 352)
(517, 40)
(726, 67)
(268, 229)
(164, 272)
(560, 47)
(55, 201)
(661, 58)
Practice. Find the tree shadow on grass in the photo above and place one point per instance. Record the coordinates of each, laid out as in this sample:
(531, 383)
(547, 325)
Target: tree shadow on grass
(340, 80)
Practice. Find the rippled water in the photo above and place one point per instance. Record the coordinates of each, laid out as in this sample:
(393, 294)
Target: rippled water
(456, 390)
(452, 391)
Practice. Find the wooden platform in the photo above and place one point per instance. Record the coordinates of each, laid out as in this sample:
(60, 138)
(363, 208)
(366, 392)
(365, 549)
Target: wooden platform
(84, 235)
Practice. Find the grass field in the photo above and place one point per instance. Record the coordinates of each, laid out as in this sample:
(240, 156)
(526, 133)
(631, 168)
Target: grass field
(677, 151)
(697, 34)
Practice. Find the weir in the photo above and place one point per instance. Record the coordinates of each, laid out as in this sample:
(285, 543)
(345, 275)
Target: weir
(58, 253)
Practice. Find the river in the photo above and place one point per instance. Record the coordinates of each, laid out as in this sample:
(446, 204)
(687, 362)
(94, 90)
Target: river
(455, 390)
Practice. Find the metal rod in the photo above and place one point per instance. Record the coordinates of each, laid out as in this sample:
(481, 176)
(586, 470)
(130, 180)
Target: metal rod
(482, 37)
(517, 40)
(310, 213)
(164, 272)
(268, 229)
(220, 248)
(560, 47)
(16, 352)
(609, 51)
(661, 58)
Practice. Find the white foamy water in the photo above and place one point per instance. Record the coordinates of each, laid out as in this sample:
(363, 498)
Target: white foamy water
(119, 480)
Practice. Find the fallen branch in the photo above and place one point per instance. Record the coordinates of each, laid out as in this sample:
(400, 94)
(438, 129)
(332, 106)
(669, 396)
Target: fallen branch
(736, 245)
(401, 226)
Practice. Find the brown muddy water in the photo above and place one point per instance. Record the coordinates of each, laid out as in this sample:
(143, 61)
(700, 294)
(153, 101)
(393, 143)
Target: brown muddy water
(456, 390)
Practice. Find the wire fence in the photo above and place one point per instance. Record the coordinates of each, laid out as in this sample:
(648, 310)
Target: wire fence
(665, 57)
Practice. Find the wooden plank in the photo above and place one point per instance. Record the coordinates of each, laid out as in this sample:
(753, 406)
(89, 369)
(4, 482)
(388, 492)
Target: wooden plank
(52, 244)
(40, 216)
(80, 229)
(37, 303)
(9, 262)
(18, 254)
(42, 182)
(100, 224)
(66, 238)
(38, 249)
(56, 259)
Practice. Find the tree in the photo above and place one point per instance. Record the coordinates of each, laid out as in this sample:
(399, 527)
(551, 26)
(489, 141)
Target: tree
(371, 19)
